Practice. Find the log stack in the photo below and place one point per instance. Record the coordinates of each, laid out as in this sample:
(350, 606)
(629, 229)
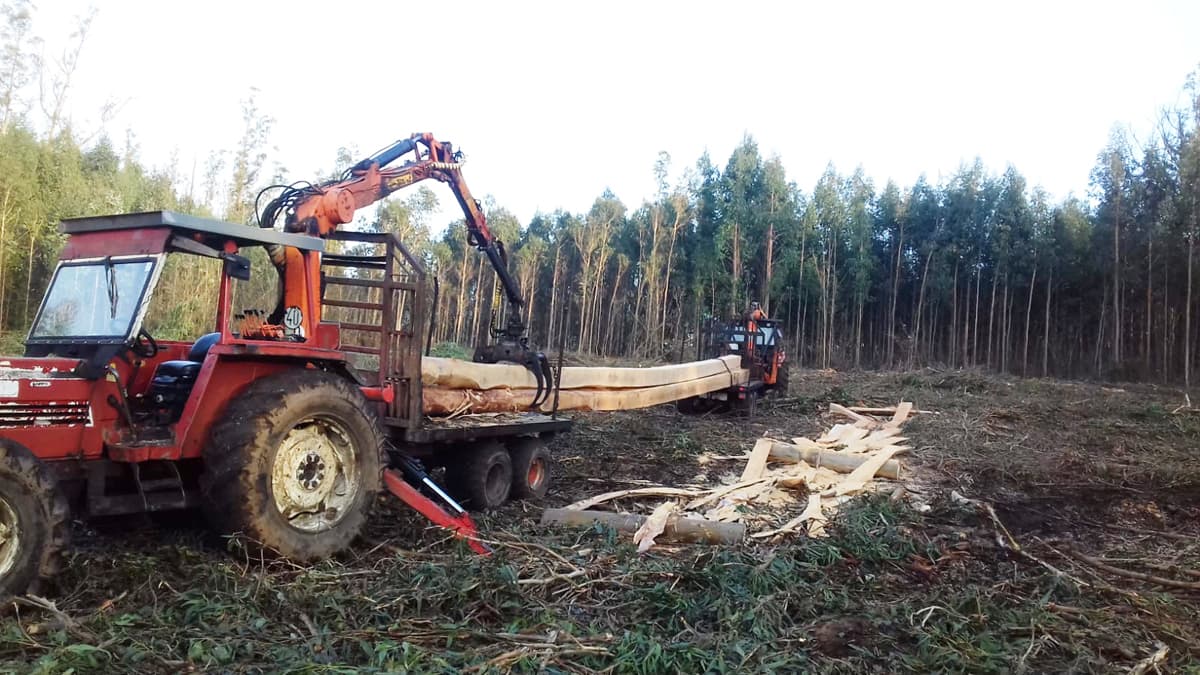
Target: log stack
(455, 387)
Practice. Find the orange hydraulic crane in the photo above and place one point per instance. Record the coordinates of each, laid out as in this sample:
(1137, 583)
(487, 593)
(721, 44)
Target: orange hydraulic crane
(318, 210)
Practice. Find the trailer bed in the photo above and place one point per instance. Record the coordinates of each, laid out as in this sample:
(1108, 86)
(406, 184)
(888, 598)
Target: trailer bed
(465, 428)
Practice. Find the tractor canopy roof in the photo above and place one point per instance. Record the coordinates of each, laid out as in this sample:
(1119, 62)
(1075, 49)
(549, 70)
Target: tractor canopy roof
(158, 231)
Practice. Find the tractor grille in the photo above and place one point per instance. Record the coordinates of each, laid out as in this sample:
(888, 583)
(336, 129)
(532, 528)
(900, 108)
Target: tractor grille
(44, 414)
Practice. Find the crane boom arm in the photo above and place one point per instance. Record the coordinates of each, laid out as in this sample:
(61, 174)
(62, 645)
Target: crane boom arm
(318, 210)
(332, 204)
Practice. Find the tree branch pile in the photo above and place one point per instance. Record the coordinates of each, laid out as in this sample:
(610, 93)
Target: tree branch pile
(814, 476)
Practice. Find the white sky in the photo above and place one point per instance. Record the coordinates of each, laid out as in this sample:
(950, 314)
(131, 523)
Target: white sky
(553, 102)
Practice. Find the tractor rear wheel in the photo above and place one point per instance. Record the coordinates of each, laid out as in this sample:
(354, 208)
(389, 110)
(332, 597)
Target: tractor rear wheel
(530, 467)
(295, 465)
(482, 476)
(33, 522)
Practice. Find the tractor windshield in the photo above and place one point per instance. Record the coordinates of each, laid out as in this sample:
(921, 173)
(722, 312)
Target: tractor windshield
(97, 299)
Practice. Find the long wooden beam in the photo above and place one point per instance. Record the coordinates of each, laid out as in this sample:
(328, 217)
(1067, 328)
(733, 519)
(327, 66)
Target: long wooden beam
(440, 401)
(458, 374)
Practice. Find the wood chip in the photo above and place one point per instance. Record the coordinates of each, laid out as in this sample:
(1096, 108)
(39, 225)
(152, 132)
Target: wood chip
(812, 513)
(654, 525)
(758, 459)
(864, 474)
(634, 492)
(714, 495)
(902, 412)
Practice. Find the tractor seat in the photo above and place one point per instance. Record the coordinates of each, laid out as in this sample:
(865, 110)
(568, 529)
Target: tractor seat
(173, 380)
(195, 358)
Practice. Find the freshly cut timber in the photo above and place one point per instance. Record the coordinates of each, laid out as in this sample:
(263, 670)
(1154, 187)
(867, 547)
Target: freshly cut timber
(676, 528)
(442, 401)
(457, 374)
(838, 461)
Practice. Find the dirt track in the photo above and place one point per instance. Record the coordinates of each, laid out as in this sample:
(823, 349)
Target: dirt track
(1075, 471)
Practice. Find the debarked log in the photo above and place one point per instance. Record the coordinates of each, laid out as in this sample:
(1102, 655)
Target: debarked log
(837, 461)
(439, 401)
(458, 374)
(678, 529)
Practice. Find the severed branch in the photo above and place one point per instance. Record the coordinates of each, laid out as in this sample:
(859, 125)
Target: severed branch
(1151, 662)
(1131, 574)
(1005, 539)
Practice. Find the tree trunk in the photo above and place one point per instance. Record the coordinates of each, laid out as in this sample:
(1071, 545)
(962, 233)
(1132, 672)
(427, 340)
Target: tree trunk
(920, 305)
(1116, 338)
(966, 341)
(29, 275)
(1046, 327)
(1028, 316)
(952, 336)
(975, 327)
(895, 293)
(1187, 316)
(4, 252)
(551, 322)
(735, 278)
(462, 296)
(766, 291)
(1149, 304)
(992, 318)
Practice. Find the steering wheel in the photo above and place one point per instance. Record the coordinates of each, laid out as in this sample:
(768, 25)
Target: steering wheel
(144, 345)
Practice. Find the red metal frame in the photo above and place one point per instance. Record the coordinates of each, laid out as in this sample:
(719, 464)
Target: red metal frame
(462, 526)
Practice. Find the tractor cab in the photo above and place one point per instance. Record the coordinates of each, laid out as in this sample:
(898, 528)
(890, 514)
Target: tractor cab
(102, 379)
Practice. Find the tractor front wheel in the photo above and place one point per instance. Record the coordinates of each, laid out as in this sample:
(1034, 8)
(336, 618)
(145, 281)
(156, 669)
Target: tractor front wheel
(295, 465)
(33, 522)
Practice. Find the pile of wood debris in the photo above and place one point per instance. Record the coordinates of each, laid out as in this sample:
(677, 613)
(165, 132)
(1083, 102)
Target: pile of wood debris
(848, 459)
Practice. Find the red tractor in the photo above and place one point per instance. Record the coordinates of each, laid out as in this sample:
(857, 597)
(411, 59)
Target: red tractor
(284, 422)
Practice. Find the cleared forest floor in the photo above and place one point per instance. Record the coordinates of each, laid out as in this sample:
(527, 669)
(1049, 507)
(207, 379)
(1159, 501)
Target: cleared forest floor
(1075, 472)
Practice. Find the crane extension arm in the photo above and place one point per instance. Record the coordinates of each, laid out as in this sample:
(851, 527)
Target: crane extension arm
(318, 210)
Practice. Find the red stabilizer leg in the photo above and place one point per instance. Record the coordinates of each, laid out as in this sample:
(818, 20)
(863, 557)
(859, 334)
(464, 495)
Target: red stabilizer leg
(462, 526)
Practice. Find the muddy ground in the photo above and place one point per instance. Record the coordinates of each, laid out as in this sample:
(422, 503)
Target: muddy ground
(1097, 486)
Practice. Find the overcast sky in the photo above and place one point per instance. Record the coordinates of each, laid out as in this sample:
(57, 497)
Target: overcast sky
(553, 102)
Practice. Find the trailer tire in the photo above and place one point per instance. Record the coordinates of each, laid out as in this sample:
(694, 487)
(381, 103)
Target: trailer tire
(294, 465)
(482, 477)
(34, 522)
(530, 467)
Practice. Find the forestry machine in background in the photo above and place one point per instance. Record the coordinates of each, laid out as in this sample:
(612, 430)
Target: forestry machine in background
(318, 210)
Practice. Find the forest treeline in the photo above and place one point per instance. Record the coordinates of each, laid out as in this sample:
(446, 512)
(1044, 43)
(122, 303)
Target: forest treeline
(977, 269)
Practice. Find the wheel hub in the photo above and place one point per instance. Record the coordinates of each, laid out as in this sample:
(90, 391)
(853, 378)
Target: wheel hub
(315, 479)
(311, 472)
(10, 539)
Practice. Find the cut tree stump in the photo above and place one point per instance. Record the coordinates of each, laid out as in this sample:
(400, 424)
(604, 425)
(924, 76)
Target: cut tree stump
(677, 529)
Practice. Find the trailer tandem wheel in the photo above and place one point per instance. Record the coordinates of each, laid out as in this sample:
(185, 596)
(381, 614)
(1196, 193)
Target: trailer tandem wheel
(531, 467)
(482, 475)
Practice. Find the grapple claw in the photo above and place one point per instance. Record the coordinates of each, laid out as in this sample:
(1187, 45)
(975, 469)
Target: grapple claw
(543, 375)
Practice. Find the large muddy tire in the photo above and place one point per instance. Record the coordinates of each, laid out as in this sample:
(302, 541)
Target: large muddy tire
(294, 465)
(530, 467)
(481, 476)
(34, 522)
